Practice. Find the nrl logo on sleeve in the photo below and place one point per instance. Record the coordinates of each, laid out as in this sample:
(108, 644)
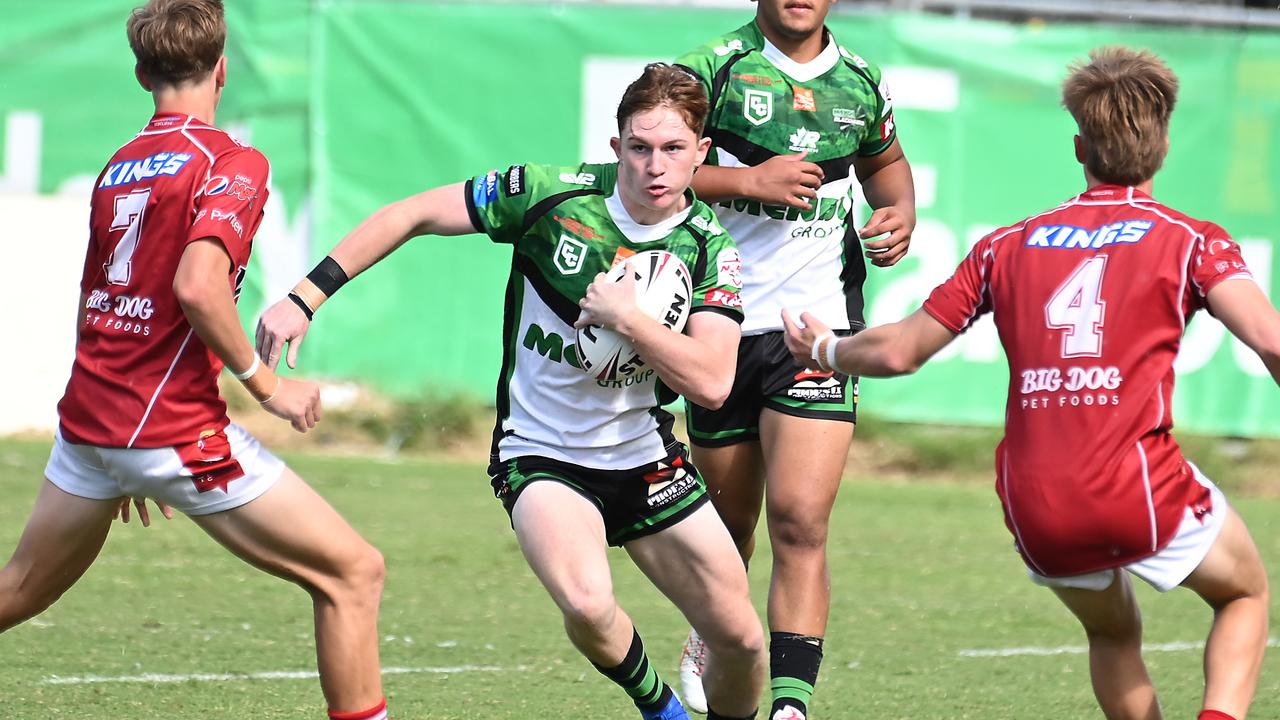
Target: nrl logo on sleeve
(570, 255)
(757, 106)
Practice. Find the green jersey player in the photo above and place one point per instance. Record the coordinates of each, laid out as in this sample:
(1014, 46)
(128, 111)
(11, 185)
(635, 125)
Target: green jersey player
(581, 463)
(797, 123)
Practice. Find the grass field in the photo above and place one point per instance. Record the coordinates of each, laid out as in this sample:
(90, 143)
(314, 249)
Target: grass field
(923, 574)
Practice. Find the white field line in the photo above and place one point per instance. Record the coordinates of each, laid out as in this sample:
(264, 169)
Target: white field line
(271, 675)
(1082, 649)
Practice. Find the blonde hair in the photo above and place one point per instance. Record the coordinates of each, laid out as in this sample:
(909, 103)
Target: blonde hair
(175, 41)
(1121, 100)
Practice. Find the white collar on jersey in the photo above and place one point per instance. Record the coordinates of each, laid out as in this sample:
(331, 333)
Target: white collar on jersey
(803, 72)
(636, 232)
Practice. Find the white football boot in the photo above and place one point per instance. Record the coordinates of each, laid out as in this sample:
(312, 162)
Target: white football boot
(692, 660)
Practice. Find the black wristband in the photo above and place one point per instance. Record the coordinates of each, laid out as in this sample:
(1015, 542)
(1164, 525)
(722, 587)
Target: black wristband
(328, 276)
(302, 305)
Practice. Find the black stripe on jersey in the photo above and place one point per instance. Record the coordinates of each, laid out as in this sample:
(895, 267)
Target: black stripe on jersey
(700, 267)
(719, 81)
(544, 205)
(751, 154)
(503, 400)
(734, 315)
(853, 274)
(564, 308)
(876, 87)
(471, 206)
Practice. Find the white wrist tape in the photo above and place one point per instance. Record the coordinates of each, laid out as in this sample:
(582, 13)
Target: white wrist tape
(815, 353)
(253, 368)
(831, 354)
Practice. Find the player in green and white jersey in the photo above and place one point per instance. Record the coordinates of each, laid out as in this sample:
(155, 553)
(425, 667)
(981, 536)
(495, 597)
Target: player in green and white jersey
(580, 463)
(797, 123)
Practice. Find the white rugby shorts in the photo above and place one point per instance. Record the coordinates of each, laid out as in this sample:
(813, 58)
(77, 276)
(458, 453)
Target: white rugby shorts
(219, 472)
(1166, 569)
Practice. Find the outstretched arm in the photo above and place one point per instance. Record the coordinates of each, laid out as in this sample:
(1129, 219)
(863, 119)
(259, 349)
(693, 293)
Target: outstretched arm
(1249, 315)
(883, 351)
(441, 211)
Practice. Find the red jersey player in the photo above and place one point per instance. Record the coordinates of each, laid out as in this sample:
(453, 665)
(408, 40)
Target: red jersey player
(171, 223)
(1091, 299)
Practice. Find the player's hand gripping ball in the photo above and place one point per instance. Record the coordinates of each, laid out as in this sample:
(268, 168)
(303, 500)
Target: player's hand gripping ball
(664, 292)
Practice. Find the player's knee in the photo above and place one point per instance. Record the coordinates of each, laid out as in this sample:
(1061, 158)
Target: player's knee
(792, 532)
(742, 643)
(368, 571)
(17, 605)
(1123, 626)
(588, 610)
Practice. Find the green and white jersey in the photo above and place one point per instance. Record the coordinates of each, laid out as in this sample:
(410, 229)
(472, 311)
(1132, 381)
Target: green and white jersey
(836, 108)
(566, 224)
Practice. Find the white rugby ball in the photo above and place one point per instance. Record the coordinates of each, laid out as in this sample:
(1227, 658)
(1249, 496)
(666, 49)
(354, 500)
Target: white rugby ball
(664, 292)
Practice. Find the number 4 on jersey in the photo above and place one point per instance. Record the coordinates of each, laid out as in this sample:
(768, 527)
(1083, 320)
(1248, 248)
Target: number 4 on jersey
(129, 209)
(1077, 308)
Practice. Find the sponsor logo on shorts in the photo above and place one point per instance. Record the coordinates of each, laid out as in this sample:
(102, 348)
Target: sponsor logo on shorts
(131, 171)
(813, 389)
(665, 492)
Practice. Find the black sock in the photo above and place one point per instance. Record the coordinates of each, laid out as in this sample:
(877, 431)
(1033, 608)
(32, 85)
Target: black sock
(638, 678)
(793, 669)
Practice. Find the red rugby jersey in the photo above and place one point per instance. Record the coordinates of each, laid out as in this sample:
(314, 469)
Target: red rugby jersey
(142, 378)
(1091, 300)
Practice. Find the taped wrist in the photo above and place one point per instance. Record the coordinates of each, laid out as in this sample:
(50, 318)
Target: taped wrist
(319, 285)
(262, 384)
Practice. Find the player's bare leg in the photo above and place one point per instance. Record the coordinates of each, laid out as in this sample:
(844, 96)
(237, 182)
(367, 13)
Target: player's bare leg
(292, 532)
(62, 538)
(804, 459)
(734, 475)
(1232, 580)
(562, 537)
(1113, 624)
(694, 563)
(735, 483)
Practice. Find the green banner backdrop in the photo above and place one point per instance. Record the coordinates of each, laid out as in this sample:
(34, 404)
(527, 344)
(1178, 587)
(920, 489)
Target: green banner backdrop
(360, 102)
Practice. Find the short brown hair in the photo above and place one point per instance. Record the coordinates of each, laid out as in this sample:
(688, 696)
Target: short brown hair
(671, 85)
(1122, 100)
(176, 41)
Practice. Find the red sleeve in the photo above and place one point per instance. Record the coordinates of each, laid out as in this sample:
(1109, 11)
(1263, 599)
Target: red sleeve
(229, 207)
(965, 296)
(1214, 257)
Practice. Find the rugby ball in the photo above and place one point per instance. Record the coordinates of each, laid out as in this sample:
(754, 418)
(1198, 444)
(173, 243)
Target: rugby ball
(664, 292)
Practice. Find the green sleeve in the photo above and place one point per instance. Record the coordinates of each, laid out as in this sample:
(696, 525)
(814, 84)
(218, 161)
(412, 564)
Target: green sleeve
(717, 282)
(883, 131)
